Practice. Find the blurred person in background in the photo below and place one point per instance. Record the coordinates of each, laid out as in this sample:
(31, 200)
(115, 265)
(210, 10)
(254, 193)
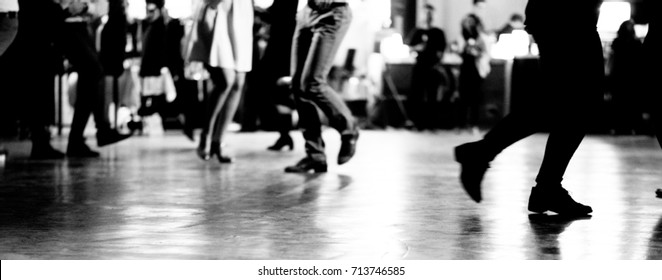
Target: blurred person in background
(428, 76)
(516, 22)
(153, 61)
(626, 68)
(475, 67)
(273, 70)
(186, 103)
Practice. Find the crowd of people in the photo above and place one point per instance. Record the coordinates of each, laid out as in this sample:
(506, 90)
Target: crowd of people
(295, 67)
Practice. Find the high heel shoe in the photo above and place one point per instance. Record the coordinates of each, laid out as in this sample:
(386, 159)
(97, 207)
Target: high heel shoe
(216, 151)
(284, 140)
(203, 150)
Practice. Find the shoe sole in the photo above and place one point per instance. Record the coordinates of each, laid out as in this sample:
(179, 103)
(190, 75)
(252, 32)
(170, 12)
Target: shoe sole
(314, 170)
(544, 208)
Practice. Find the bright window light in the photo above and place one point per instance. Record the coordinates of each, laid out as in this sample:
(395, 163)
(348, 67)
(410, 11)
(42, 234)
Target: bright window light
(136, 9)
(264, 4)
(612, 15)
(179, 8)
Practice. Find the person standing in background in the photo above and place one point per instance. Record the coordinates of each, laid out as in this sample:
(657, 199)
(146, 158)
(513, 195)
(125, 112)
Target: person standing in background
(428, 76)
(275, 65)
(626, 68)
(112, 51)
(475, 67)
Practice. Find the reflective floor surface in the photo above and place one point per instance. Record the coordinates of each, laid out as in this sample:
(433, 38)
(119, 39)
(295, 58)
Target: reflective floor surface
(399, 198)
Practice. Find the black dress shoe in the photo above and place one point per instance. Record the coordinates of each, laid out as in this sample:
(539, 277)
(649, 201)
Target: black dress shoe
(110, 136)
(473, 166)
(557, 200)
(347, 147)
(81, 150)
(45, 151)
(216, 152)
(658, 193)
(307, 165)
(284, 141)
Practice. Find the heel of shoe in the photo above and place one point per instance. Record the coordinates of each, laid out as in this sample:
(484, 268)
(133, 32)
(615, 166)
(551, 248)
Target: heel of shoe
(536, 205)
(203, 151)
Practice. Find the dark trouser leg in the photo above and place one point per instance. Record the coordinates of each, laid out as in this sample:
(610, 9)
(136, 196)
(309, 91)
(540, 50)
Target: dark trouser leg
(563, 109)
(577, 99)
(90, 95)
(652, 46)
(314, 49)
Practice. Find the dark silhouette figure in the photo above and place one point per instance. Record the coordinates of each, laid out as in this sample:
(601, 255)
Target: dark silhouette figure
(625, 71)
(153, 60)
(8, 30)
(187, 90)
(571, 47)
(79, 48)
(113, 39)
(275, 65)
(652, 47)
(27, 72)
(320, 29)
(428, 76)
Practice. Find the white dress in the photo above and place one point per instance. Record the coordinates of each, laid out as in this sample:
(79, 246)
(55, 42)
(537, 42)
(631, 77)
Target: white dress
(232, 46)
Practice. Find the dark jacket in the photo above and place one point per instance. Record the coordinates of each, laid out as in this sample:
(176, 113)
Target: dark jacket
(562, 15)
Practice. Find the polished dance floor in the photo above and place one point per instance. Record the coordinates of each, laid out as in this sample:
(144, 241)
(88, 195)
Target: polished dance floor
(399, 198)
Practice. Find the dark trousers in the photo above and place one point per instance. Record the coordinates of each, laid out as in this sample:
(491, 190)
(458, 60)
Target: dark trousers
(572, 79)
(429, 87)
(90, 95)
(652, 47)
(316, 40)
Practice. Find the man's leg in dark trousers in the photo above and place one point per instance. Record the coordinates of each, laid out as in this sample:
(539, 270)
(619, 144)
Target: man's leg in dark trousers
(89, 91)
(315, 48)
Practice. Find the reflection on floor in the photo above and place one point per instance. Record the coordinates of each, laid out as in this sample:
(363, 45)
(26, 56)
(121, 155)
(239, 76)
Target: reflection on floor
(152, 198)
